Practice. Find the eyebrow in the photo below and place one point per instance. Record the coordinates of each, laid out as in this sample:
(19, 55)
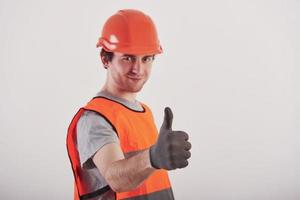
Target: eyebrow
(130, 55)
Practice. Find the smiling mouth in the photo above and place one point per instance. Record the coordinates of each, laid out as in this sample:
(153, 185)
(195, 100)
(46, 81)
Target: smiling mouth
(134, 78)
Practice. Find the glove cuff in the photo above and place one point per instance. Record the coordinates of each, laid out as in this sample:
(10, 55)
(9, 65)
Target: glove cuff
(152, 157)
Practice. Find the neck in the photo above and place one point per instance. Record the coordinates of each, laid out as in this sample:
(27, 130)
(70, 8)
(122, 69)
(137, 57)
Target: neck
(129, 96)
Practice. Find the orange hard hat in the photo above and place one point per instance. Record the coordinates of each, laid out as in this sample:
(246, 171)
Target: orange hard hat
(130, 31)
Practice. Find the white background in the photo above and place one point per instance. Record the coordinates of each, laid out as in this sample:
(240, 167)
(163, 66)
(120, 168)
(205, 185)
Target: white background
(230, 72)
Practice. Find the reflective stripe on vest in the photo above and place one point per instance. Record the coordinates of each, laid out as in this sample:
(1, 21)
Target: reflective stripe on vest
(128, 124)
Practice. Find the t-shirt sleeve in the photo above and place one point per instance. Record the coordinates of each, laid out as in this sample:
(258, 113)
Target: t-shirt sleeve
(93, 132)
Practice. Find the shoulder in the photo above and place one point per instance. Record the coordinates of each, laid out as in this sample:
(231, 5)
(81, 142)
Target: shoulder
(90, 119)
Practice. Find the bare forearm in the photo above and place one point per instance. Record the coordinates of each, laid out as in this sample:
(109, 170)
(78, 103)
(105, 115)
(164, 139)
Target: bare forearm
(127, 174)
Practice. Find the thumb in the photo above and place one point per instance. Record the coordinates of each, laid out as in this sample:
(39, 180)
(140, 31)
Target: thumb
(168, 119)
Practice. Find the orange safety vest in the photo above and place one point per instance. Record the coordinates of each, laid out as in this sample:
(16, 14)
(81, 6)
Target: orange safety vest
(136, 131)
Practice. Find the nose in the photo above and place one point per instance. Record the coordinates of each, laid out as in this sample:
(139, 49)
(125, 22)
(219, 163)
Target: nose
(136, 66)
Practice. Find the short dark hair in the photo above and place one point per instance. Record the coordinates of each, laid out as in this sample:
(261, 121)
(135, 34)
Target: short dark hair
(108, 55)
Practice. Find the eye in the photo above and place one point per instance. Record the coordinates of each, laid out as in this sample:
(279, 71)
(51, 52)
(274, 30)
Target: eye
(128, 58)
(148, 59)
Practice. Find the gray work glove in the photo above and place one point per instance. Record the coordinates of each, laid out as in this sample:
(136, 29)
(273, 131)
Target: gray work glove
(171, 150)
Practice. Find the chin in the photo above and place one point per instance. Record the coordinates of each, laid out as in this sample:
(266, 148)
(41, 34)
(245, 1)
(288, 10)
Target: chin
(135, 89)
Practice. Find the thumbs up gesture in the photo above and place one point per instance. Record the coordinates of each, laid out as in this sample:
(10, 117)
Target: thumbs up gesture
(171, 150)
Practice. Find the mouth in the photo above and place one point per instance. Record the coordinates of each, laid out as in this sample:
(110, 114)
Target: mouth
(135, 78)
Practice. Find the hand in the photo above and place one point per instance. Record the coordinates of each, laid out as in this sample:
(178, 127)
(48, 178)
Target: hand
(171, 150)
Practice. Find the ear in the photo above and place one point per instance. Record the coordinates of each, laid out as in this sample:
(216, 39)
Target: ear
(104, 60)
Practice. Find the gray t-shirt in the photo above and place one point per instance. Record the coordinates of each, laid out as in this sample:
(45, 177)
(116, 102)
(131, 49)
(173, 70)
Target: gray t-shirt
(93, 132)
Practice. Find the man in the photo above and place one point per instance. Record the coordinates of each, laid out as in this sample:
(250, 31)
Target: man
(114, 147)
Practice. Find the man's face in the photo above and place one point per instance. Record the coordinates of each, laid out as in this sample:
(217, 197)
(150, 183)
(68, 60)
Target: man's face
(128, 73)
